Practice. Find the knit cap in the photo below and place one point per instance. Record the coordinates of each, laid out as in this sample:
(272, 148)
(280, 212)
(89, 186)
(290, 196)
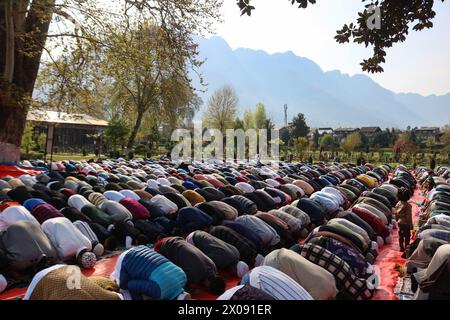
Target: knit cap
(87, 260)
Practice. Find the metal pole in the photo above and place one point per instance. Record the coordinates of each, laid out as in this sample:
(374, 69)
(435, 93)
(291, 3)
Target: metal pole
(46, 143)
(50, 140)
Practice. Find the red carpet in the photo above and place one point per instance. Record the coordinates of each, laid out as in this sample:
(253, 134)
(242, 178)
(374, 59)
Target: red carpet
(15, 172)
(105, 267)
(390, 256)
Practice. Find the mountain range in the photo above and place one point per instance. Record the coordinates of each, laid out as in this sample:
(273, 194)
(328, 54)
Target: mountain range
(328, 99)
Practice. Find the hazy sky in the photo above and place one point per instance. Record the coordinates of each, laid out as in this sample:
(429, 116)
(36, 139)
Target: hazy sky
(419, 65)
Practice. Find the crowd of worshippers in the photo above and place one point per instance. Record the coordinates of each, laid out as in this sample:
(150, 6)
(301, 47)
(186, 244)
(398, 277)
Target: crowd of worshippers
(429, 255)
(297, 232)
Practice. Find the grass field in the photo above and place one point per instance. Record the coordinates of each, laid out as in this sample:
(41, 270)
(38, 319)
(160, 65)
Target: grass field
(75, 157)
(375, 158)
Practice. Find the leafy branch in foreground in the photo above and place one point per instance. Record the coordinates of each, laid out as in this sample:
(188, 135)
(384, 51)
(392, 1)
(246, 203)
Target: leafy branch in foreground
(396, 19)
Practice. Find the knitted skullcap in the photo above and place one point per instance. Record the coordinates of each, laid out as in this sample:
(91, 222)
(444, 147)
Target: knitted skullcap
(88, 260)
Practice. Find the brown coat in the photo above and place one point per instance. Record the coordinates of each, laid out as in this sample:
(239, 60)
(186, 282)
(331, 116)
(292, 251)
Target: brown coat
(403, 213)
(54, 286)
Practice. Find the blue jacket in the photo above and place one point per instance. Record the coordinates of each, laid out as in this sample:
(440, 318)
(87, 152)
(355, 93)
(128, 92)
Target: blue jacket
(313, 209)
(30, 204)
(190, 185)
(145, 272)
(246, 232)
(191, 219)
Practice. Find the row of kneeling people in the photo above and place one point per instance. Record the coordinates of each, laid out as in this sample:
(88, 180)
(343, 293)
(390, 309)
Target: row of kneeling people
(429, 255)
(312, 231)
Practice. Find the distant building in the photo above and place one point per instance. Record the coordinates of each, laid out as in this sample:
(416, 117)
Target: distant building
(342, 133)
(323, 131)
(370, 132)
(71, 132)
(425, 134)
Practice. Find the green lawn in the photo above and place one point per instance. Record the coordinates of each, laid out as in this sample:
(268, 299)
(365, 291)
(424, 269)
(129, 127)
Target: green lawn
(76, 157)
(376, 158)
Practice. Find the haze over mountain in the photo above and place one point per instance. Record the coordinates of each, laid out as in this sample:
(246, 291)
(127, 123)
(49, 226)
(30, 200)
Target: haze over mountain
(326, 98)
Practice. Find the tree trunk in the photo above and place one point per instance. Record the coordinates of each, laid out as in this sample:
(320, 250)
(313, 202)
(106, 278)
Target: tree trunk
(135, 130)
(12, 124)
(16, 93)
